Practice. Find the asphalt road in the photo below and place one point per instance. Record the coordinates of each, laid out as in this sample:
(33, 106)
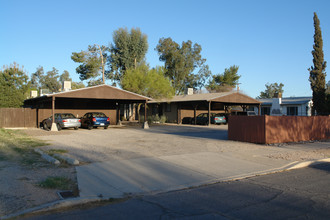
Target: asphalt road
(296, 194)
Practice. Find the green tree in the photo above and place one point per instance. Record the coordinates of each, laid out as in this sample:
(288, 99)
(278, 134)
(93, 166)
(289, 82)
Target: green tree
(92, 61)
(181, 62)
(147, 82)
(224, 82)
(127, 51)
(271, 91)
(77, 85)
(65, 76)
(37, 78)
(327, 91)
(14, 86)
(50, 81)
(317, 72)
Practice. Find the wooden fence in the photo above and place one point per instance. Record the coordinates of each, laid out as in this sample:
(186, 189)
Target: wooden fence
(17, 117)
(26, 117)
(278, 129)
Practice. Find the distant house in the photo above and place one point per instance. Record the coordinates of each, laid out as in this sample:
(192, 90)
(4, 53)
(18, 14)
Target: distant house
(300, 106)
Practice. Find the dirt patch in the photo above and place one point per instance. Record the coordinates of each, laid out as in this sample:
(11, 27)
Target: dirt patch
(19, 186)
(21, 171)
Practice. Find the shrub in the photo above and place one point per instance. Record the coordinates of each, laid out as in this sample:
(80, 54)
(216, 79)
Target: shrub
(163, 119)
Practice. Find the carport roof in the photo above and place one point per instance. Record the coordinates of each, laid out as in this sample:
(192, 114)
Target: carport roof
(224, 97)
(97, 92)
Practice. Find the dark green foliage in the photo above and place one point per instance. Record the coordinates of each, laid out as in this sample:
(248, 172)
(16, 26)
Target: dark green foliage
(128, 50)
(151, 83)
(36, 79)
(327, 93)
(271, 91)
(77, 85)
(317, 72)
(95, 82)
(14, 86)
(50, 81)
(92, 63)
(224, 82)
(181, 62)
(65, 76)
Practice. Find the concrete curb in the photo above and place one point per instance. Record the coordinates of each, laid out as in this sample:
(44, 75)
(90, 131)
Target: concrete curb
(47, 157)
(51, 206)
(69, 160)
(53, 160)
(308, 163)
(79, 200)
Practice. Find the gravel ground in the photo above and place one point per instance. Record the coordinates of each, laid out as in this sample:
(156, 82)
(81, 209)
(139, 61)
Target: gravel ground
(119, 143)
(18, 185)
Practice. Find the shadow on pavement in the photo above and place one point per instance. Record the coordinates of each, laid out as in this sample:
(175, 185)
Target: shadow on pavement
(321, 166)
(191, 131)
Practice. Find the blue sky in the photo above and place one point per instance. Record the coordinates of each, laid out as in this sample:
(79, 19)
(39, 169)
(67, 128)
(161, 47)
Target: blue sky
(270, 41)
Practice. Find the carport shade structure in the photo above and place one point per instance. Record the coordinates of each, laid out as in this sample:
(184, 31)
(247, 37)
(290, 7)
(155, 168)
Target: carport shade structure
(234, 98)
(96, 97)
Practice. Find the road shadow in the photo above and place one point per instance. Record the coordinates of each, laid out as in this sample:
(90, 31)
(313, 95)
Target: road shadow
(325, 166)
(220, 133)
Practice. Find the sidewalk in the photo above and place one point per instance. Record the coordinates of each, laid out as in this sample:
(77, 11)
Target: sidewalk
(120, 178)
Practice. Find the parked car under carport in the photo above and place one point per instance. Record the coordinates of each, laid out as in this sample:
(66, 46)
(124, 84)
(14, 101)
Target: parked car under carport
(62, 120)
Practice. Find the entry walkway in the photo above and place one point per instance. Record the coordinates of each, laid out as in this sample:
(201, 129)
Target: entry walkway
(120, 178)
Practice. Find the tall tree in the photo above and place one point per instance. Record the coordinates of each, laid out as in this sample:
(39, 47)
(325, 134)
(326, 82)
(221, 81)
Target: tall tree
(14, 86)
(224, 82)
(92, 61)
(50, 81)
(65, 76)
(147, 82)
(77, 85)
(127, 51)
(271, 91)
(37, 78)
(327, 91)
(317, 72)
(181, 62)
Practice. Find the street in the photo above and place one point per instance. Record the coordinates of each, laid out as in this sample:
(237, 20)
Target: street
(296, 194)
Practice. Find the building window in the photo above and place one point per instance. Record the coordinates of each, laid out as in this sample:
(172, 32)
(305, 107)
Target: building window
(265, 110)
(167, 107)
(292, 111)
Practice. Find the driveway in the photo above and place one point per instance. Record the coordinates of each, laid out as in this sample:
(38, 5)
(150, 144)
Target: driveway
(121, 161)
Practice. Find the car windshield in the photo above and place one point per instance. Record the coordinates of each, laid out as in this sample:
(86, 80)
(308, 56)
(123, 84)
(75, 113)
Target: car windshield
(99, 114)
(67, 115)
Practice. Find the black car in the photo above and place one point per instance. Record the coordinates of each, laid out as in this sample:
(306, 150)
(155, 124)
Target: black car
(95, 119)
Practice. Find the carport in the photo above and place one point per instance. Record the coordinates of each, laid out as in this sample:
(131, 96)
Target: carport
(103, 98)
(190, 105)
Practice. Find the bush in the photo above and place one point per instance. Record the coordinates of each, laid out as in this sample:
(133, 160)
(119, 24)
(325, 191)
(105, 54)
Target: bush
(163, 119)
(150, 119)
(156, 118)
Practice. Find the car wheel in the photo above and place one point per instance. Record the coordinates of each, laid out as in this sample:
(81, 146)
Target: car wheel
(75, 128)
(45, 126)
(106, 127)
(89, 126)
(59, 127)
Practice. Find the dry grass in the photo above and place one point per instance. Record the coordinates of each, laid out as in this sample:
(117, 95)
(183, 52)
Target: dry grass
(18, 148)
